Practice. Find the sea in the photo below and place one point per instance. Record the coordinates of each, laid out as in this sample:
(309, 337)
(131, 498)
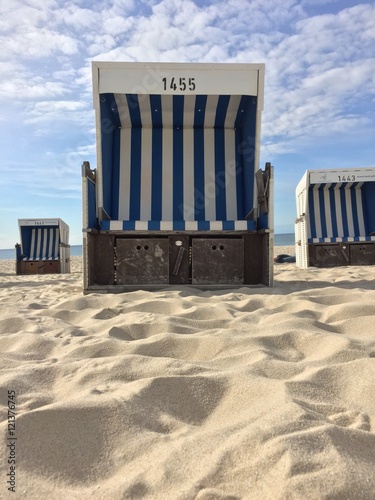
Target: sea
(281, 240)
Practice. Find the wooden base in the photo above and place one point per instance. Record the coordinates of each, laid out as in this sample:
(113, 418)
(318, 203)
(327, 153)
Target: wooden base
(342, 254)
(160, 259)
(38, 267)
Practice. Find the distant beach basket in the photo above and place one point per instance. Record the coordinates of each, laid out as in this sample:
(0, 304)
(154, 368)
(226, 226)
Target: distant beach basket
(335, 223)
(44, 247)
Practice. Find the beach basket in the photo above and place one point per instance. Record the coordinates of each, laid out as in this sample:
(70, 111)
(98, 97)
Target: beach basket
(177, 196)
(335, 223)
(44, 247)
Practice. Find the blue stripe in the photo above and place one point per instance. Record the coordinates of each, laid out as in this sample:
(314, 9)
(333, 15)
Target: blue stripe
(128, 225)
(355, 210)
(343, 213)
(92, 220)
(199, 192)
(203, 225)
(221, 111)
(134, 111)
(199, 111)
(178, 225)
(178, 144)
(335, 231)
(154, 225)
(220, 199)
(135, 173)
(157, 158)
(228, 225)
(368, 197)
(322, 212)
(244, 102)
(156, 110)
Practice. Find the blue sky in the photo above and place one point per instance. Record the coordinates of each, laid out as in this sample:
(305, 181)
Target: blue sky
(319, 93)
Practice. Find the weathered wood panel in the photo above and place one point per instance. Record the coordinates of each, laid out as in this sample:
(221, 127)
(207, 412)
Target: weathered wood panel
(217, 261)
(142, 261)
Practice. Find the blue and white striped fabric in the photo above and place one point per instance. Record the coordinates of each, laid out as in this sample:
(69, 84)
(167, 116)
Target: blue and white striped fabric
(336, 213)
(44, 244)
(179, 158)
(229, 225)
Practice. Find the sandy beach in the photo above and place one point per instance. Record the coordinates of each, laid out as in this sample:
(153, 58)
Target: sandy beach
(182, 394)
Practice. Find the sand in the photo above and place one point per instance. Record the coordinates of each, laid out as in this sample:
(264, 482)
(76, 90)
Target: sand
(251, 393)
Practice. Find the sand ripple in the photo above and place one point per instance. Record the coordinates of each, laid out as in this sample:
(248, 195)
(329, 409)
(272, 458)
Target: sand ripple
(184, 394)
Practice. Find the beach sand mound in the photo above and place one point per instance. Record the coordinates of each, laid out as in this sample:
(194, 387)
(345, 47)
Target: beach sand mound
(251, 393)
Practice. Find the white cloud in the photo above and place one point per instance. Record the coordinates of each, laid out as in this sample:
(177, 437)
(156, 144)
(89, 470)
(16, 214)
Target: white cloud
(49, 111)
(25, 88)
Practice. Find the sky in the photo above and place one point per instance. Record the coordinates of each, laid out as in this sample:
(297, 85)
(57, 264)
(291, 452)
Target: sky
(319, 109)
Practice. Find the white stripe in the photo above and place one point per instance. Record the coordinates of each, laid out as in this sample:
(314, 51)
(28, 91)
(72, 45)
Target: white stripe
(166, 225)
(232, 110)
(230, 175)
(327, 208)
(361, 219)
(340, 229)
(188, 162)
(38, 236)
(210, 113)
(57, 243)
(209, 157)
(167, 110)
(167, 180)
(191, 225)
(318, 226)
(146, 174)
(124, 180)
(123, 110)
(141, 225)
(240, 224)
(51, 230)
(115, 225)
(32, 244)
(216, 225)
(146, 156)
(209, 174)
(349, 211)
(44, 251)
(189, 110)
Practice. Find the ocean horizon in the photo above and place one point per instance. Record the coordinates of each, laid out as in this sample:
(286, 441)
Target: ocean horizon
(281, 240)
